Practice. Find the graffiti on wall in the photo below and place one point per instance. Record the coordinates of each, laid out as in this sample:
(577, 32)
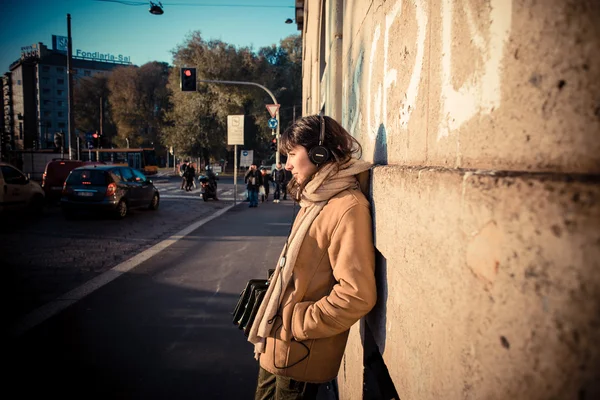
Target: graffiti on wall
(479, 92)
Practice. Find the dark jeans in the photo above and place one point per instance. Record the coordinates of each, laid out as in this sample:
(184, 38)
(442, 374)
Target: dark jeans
(253, 196)
(277, 192)
(273, 387)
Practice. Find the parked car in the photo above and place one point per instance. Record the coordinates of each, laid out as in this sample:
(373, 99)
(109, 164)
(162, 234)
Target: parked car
(115, 189)
(18, 192)
(55, 174)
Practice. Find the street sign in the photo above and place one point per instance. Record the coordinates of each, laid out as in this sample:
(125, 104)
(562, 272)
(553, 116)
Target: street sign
(273, 108)
(235, 129)
(247, 158)
(273, 123)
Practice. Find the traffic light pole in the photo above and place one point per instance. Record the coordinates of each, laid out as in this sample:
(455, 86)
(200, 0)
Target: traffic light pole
(277, 158)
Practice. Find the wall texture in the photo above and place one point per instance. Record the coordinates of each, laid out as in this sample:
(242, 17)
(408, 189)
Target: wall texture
(484, 119)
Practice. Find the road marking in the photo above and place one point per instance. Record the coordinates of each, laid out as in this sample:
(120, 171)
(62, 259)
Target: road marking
(48, 310)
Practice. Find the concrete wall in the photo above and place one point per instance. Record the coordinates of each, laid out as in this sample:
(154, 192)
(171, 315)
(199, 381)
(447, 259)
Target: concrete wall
(484, 117)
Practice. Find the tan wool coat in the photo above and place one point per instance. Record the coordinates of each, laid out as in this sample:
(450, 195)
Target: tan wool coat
(333, 286)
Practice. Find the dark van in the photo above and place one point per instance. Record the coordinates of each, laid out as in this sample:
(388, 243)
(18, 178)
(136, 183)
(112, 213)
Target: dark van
(55, 174)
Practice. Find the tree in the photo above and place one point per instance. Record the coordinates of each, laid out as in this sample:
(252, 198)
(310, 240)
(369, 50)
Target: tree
(198, 121)
(140, 100)
(90, 99)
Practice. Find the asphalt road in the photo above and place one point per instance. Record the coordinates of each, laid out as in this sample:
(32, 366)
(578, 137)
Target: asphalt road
(161, 330)
(46, 257)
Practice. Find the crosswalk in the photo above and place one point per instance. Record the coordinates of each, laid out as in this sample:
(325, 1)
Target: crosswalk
(172, 190)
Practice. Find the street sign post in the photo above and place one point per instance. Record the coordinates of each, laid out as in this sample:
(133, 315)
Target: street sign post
(235, 136)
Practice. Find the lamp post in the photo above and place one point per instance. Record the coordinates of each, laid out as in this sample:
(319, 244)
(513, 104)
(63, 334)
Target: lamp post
(276, 116)
(263, 88)
(70, 87)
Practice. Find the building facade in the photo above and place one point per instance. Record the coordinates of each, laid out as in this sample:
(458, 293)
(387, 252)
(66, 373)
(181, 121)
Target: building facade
(35, 94)
(482, 120)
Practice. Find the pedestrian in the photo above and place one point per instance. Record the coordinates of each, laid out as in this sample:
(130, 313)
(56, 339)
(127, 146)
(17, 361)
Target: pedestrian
(266, 179)
(302, 325)
(253, 181)
(278, 180)
(189, 175)
(287, 176)
(182, 169)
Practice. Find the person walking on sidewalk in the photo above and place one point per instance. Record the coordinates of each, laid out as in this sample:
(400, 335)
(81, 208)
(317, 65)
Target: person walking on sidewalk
(253, 180)
(324, 280)
(278, 180)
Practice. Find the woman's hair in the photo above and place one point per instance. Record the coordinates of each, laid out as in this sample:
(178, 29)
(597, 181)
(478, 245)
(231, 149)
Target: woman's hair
(306, 132)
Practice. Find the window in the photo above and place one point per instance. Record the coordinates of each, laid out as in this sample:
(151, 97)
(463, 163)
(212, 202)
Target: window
(60, 69)
(18, 82)
(139, 177)
(12, 176)
(59, 92)
(60, 103)
(61, 125)
(46, 90)
(45, 81)
(87, 73)
(61, 114)
(48, 124)
(60, 81)
(45, 68)
(46, 113)
(127, 174)
(46, 102)
(94, 177)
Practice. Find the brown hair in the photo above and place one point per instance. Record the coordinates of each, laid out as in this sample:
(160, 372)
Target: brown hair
(306, 132)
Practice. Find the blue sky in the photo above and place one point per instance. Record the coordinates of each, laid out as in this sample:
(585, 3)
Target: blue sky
(115, 28)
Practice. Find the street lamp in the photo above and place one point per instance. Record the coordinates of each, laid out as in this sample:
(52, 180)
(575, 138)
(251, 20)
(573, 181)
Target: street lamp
(156, 9)
(289, 21)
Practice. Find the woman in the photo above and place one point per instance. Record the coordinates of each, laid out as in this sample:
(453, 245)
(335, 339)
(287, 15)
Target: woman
(324, 281)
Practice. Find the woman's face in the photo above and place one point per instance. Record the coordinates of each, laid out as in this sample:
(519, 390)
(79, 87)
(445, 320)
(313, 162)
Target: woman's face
(299, 164)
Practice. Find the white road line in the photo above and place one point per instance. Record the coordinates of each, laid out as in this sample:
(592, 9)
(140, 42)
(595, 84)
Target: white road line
(46, 311)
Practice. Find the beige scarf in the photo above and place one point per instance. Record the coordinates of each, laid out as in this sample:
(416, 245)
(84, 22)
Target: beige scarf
(325, 184)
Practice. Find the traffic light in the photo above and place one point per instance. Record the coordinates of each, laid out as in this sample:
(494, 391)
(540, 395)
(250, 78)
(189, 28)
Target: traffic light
(188, 79)
(273, 144)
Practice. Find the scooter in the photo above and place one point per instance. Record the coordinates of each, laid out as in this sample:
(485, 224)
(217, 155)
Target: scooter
(208, 189)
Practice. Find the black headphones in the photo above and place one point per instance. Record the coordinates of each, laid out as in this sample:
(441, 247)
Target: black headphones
(319, 154)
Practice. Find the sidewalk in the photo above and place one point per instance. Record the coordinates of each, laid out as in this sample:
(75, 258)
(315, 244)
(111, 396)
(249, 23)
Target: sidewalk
(263, 231)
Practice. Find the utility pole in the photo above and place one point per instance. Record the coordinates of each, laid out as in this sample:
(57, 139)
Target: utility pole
(71, 118)
(101, 113)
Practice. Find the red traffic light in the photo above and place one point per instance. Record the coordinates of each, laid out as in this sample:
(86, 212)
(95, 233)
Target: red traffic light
(188, 79)
(95, 135)
(274, 141)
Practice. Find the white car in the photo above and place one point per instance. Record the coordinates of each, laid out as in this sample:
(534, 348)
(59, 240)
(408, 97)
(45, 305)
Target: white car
(18, 192)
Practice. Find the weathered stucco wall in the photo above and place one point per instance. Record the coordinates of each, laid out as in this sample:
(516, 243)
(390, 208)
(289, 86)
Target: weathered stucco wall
(485, 119)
